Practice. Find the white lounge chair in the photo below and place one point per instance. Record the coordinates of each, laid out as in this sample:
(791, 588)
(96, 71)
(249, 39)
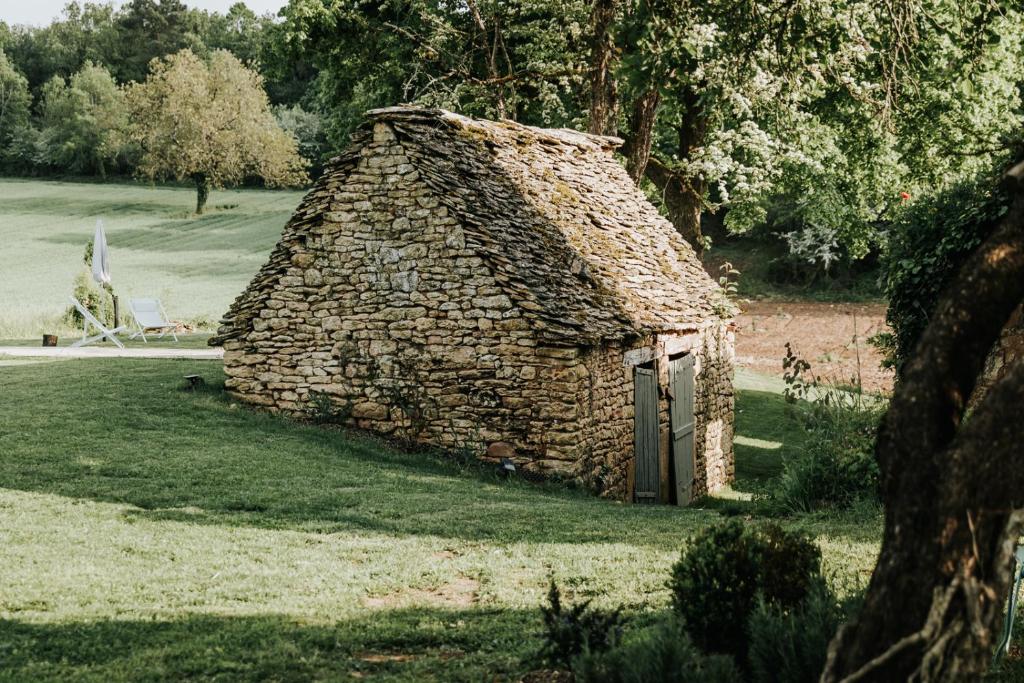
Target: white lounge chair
(149, 314)
(89, 319)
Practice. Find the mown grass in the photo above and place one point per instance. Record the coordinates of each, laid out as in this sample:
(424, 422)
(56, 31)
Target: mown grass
(149, 533)
(184, 341)
(157, 247)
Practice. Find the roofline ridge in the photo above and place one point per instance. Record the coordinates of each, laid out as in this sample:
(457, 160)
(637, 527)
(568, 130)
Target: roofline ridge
(406, 112)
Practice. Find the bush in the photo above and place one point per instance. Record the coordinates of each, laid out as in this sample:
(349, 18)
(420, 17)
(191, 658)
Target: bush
(790, 646)
(929, 241)
(717, 582)
(662, 653)
(837, 465)
(96, 300)
(570, 632)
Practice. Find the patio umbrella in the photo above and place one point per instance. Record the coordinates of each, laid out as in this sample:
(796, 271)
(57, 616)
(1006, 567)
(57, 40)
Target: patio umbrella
(100, 256)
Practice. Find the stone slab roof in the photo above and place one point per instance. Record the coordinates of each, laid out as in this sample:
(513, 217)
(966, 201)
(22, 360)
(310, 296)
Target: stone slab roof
(573, 241)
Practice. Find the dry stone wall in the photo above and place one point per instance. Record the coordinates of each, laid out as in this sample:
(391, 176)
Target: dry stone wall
(377, 299)
(386, 310)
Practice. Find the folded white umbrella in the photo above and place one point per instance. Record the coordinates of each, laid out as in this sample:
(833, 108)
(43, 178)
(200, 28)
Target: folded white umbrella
(100, 256)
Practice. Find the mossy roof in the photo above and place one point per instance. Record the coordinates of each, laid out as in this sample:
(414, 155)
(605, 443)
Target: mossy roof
(568, 235)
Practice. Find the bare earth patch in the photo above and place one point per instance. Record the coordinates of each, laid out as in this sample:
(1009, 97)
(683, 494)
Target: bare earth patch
(830, 337)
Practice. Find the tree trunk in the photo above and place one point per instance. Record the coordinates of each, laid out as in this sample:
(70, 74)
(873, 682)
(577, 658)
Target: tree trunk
(683, 197)
(952, 489)
(604, 101)
(202, 191)
(641, 133)
(683, 200)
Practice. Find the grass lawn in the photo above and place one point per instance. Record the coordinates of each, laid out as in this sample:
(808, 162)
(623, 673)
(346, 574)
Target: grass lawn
(149, 533)
(197, 266)
(185, 341)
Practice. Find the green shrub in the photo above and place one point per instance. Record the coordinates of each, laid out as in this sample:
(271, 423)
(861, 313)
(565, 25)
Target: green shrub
(572, 631)
(661, 653)
(96, 300)
(929, 241)
(790, 646)
(836, 465)
(717, 582)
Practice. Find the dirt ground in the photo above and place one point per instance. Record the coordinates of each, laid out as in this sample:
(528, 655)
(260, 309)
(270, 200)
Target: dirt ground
(828, 336)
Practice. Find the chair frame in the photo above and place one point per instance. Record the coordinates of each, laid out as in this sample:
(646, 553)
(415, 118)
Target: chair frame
(164, 329)
(1011, 607)
(89, 319)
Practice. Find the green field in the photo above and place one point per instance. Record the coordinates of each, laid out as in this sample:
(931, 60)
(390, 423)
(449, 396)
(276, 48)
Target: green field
(196, 266)
(149, 533)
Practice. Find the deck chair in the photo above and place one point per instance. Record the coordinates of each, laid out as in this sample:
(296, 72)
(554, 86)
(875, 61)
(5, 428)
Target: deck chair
(149, 314)
(1011, 608)
(88, 319)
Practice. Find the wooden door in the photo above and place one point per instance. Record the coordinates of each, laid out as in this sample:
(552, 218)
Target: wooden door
(681, 395)
(645, 435)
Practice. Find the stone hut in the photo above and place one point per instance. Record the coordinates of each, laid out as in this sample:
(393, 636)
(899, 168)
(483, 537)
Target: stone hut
(501, 289)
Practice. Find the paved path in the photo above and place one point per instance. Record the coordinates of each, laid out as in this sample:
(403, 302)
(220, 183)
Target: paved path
(109, 352)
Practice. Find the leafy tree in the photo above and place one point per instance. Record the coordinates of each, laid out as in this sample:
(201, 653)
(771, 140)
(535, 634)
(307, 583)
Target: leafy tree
(931, 239)
(15, 101)
(521, 59)
(239, 31)
(149, 29)
(307, 129)
(84, 32)
(210, 123)
(83, 120)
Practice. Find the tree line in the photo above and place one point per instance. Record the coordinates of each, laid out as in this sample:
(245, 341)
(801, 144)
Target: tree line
(809, 122)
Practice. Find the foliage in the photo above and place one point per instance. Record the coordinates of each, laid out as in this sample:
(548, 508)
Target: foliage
(790, 646)
(323, 410)
(524, 59)
(931, 238)
(15, 101)
(211, 123)
(94, 298)
(83, 120)
(661, 653)
(581, 628)
(730, 566)
(836, 465)
(307, 129)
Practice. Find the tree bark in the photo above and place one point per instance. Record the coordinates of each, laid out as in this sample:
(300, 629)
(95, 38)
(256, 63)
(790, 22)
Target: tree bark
(952, 489)
(641, 133)
(202, 191)
(683, 196)
(604, 100)
(683, 199)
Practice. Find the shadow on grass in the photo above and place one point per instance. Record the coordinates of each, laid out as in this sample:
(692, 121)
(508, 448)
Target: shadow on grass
(404, 644)
(124, 432)
(766, 434)
(231, 230)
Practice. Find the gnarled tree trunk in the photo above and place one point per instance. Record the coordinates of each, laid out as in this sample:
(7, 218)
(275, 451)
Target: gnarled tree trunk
(952, 488)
